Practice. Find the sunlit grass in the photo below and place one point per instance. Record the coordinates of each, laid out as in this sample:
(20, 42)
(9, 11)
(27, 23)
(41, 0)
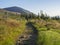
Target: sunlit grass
(45, 36)
(10, 30)
(48, 38)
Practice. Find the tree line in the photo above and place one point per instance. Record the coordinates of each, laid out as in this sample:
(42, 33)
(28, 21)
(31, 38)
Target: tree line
(27, 16)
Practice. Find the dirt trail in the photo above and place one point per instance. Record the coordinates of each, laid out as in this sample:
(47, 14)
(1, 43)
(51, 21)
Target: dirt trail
(29, 37)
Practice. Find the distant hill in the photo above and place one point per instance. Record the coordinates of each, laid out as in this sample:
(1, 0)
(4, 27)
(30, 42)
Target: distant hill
(17, 9)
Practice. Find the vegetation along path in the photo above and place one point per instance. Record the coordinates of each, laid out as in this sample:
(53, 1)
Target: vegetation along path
(29, 37)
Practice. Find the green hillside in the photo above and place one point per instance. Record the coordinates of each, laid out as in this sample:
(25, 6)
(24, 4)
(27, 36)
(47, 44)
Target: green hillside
(28, 29)
(10, 29)
(48, 35)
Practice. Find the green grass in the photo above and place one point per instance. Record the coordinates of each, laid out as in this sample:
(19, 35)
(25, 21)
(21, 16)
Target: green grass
(10, 30)
(13, 26)
(47, 37)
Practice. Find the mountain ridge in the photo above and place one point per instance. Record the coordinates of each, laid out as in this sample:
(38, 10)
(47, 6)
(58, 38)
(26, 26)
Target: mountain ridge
(17, 9)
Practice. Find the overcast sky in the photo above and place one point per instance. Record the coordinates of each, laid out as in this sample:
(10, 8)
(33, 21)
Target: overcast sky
(51, 7)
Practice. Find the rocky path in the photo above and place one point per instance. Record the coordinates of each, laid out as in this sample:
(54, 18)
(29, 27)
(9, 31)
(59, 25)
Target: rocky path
(29, 37)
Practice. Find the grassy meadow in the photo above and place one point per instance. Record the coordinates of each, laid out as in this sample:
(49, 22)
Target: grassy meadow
(10, 29)
(13, 25)
(48, 35)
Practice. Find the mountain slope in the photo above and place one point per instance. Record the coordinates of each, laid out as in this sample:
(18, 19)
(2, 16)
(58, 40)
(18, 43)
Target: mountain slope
(17, 9)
